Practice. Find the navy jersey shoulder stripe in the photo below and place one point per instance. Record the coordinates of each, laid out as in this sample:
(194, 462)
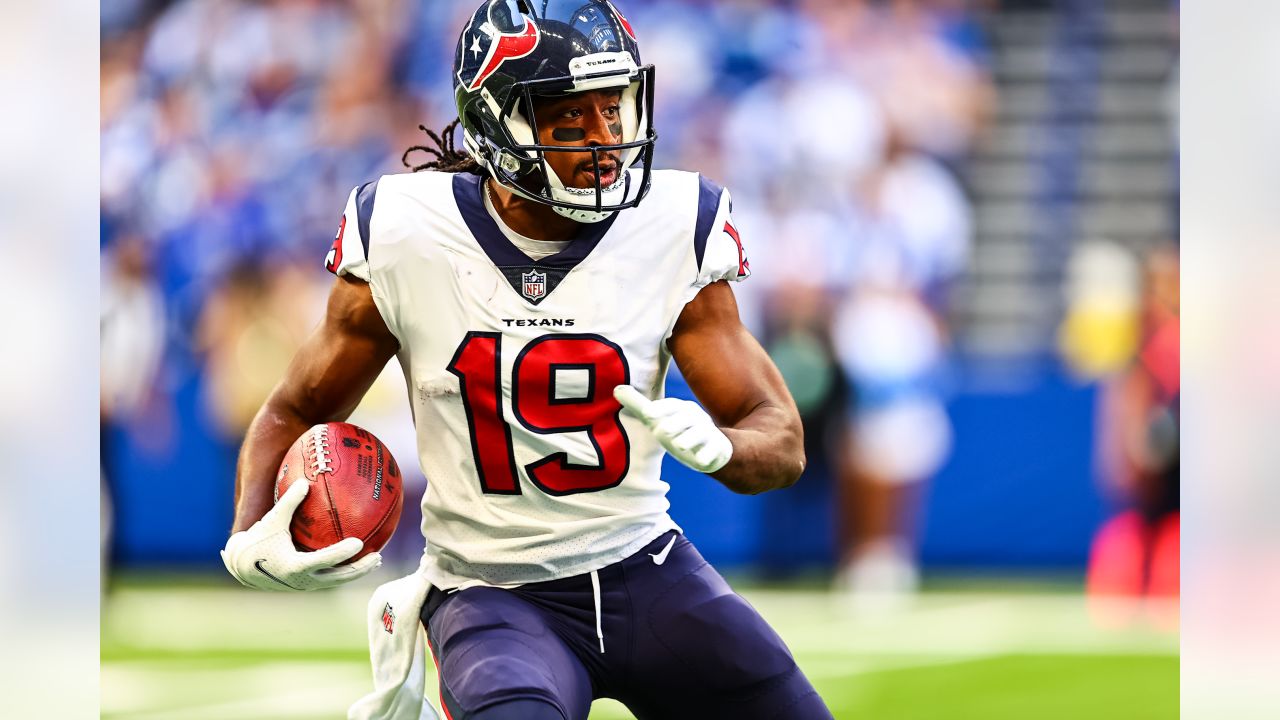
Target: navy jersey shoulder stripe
(708, 204)
(364, 212)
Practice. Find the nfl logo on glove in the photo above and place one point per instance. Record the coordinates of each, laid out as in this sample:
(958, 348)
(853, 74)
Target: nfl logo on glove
(388, 618)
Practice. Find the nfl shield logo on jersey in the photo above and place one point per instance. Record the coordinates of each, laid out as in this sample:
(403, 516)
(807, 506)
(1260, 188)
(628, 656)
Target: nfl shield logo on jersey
(535, 284)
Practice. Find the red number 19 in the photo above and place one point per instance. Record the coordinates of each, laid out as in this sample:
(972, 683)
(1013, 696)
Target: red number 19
(539, 408)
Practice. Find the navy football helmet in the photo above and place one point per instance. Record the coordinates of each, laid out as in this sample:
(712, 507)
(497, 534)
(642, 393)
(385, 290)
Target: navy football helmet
(513, 50)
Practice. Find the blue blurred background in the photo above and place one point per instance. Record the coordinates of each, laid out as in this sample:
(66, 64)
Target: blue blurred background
(961, 218)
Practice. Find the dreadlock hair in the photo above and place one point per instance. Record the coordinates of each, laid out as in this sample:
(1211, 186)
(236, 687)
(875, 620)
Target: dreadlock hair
(448, 158)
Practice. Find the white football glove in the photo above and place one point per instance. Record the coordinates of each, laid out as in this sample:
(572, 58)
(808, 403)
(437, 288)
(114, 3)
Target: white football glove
(263, 556)
(683, 428)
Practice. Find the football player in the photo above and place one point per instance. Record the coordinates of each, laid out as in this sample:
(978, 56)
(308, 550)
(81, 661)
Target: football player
(535, 291)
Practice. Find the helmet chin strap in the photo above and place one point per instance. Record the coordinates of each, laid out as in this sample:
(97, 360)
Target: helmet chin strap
(556, 190)
(612, 195)
(576, 214)
(582, 216)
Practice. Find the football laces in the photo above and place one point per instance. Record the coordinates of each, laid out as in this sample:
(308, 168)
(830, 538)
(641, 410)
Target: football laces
(319, 445)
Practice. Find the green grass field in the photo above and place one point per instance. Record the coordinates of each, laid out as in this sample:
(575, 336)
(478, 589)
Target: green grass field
(180, 648)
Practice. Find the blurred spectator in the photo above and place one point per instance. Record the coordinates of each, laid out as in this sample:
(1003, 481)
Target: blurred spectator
(794, 170)
(248, 333)
(920, 62)
(133, 335)
(912, 240)
(1136, 553)
(1099, 331)
(132, 345)
(796, 334)
(778, 147)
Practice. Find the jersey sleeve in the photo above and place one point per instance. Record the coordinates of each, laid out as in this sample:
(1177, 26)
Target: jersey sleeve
(717, 244)
(350, 252)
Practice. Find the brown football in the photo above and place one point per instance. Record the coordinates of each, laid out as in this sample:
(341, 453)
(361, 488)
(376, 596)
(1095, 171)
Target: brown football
(356, 488)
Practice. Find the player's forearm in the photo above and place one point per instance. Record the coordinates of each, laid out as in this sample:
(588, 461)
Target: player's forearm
(328, 376)
(768, 451)
(273, 430)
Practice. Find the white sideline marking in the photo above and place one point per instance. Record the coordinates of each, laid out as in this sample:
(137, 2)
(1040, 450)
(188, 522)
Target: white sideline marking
(933, 623)
(168, 691)
(159, 691)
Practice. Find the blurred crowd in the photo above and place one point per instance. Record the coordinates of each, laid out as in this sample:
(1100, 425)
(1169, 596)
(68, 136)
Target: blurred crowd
(232, 131)
(1122, 328)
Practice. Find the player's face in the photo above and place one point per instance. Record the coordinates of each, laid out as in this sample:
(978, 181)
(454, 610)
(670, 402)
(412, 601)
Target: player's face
(583, 119)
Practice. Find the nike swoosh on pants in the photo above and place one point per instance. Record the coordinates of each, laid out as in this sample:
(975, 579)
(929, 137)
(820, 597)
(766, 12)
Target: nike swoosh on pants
(661, 557)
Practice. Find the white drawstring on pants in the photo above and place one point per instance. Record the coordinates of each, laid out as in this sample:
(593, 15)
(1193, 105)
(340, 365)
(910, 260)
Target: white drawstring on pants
(595, 592)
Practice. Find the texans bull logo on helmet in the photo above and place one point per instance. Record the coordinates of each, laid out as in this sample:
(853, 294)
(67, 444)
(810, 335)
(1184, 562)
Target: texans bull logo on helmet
(496, 45)
(626, 24)
(507, 35)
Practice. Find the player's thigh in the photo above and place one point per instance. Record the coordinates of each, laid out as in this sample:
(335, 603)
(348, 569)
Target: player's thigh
(492, 646)
(710, 654)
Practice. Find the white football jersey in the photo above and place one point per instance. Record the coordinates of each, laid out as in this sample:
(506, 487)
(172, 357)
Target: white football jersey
(533, 471)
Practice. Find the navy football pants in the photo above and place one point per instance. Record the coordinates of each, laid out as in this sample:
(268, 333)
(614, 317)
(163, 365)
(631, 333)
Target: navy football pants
(678, 643)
